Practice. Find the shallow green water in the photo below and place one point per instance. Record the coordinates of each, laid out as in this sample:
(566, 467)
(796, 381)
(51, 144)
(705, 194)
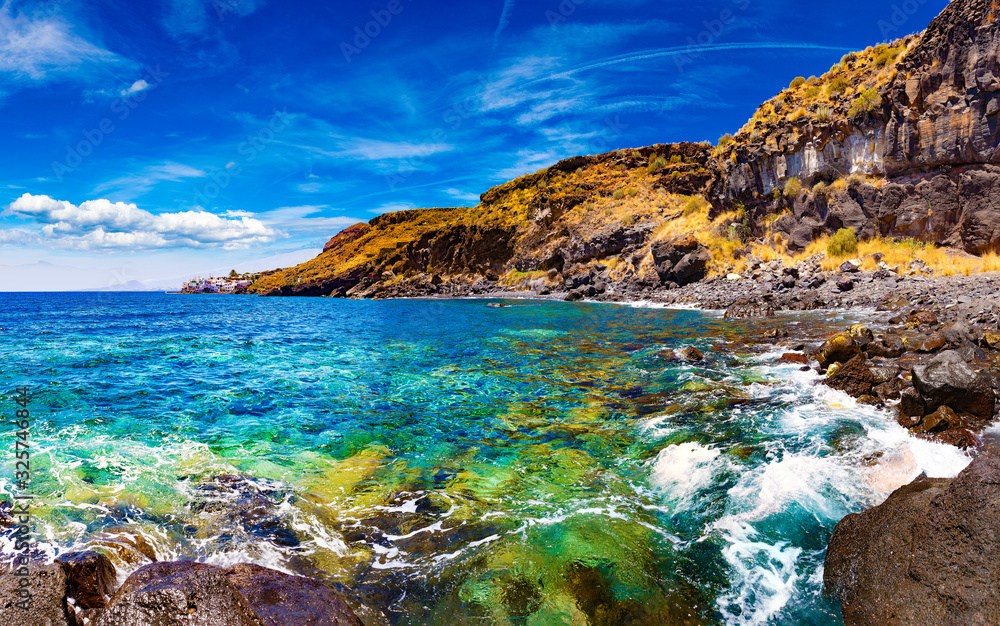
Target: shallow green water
(451, 463)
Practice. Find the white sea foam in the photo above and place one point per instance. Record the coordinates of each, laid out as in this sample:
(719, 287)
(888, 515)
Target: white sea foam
(765, 575)
(682, 470)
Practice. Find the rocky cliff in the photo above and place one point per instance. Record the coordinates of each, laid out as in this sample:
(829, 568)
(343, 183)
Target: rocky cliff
(900, 140)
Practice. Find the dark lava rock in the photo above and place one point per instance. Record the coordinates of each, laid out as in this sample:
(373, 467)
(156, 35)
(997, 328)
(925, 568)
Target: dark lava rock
(683, 261)
(930, 554)
(282, 599)
(911, 407)
(837, 349)
(574, 296)
(747, 309)
(48, 597)
(855, 378)
(845, 284)
(932, 344)
(176, 594)
(922, 317)
(887, 347)
(791, 357)
(91, 578)
(948, 380)
(692, 354)
(889, 390)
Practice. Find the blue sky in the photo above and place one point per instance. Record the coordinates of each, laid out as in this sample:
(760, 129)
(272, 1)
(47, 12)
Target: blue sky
(153, 140)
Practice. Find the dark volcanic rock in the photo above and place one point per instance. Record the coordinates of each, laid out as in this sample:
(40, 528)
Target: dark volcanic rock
(746, 308)
(90, 578)
(282, 599)
(930, 554)
(169, 594)
(48, 597)
(683, 261)
(840, 348)
(855, 378)
(692, 354)
(948, 380)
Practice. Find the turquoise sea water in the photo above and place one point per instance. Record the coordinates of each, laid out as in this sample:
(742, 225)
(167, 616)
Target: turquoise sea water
(451, 463)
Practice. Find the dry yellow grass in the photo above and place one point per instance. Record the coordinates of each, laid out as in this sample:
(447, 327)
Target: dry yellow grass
(944, 261)
(708, 232)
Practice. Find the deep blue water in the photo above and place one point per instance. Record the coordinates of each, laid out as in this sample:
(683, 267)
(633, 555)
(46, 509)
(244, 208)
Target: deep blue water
(451, 463)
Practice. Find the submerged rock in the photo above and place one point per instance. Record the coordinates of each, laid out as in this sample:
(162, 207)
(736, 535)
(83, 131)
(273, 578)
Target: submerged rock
(930, 554)
(282, 599)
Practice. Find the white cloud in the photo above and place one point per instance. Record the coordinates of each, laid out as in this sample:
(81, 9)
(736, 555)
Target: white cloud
(471, 199)
(306, 218)
(134, 185)
(38, 48)
(137, 86)
(102, 224)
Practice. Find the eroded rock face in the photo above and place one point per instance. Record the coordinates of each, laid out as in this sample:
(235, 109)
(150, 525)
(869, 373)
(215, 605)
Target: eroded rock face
(930, 554)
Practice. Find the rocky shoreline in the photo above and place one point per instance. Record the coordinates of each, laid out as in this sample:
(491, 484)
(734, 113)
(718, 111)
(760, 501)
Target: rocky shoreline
(79, 589)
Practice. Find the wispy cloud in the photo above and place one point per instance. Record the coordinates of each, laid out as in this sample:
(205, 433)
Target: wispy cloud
(135, 185)
(40, 48)
(508, 9)
(471, 199)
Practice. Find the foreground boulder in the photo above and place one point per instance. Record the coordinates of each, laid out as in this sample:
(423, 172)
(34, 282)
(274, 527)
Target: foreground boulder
(48, 597)
(930, 554)
(284, 599)
(168, 594)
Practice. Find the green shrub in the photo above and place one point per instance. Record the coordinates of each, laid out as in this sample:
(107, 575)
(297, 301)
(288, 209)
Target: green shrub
(797, 82)
(845, 242)
(848, 58)
(824, 114)
(725, 140)
(656, 164)
(819, 189)
(632, 192)
(838, 85)
(618, 194)
(867, 101)
(674, 160)
(628, 220)
(811, 92)
(792, 187)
